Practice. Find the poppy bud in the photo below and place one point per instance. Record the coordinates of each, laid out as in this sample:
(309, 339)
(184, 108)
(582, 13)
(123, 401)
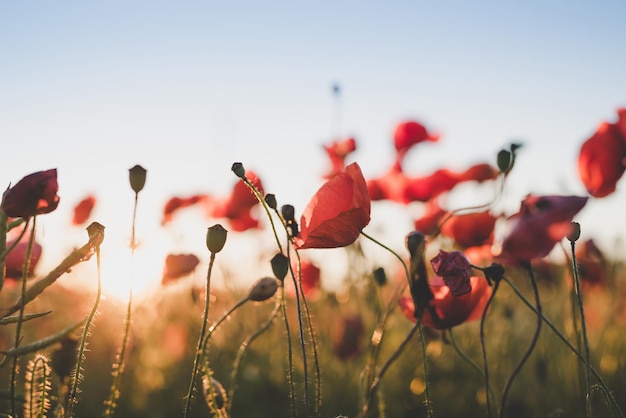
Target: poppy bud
(238, 169)
(505, 160)
(380, 277)
(270, 199)
(95, 231)
(280, 266)
(415, 243)
(494, 273)
(137, 177)
(216, 238)
(575, 232)
(263, 289)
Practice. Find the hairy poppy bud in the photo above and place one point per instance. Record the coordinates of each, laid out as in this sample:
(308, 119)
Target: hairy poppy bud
(238, 169)
(216, 238)
(505, 160)
(270, 199)
(137, 177)
(280, 266)
(263, 289)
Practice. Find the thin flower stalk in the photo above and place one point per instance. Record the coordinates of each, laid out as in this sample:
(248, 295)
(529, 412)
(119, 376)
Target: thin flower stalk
(20, 319)
(95, 232)
(583, 328)
(568, 344)
(471, 362)
(483, 346)
(246, 343)
(533, 342)
(196, 361)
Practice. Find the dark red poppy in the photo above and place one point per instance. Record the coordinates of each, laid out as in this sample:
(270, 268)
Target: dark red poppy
(447, 310)
(410, 133)
(454, 269)
(178, 266)
(337, 213)
(35, 194)
(82, 211)
(602, 160)
(176, 203)
(337, 153)
(541, 222)
(470, 229)
(348, 338)
(15, 259)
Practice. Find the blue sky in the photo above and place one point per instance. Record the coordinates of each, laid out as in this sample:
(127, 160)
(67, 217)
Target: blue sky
(187, 88)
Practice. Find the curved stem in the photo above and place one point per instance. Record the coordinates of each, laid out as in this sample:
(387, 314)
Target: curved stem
(533, 341)
(20, 319)
(83, 342)
(471, 362)
(242, 349)
(484, 347)
(221, 319)
(196, 361)
(567, 343)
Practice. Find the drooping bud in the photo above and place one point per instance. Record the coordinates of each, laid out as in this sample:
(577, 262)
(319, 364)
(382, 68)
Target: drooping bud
(504, 160)
(574, 233)
(270, 199)
(494, 273)
(137, 177)
(238, 169)
(280, 266)
(216, 238)
(263, 289)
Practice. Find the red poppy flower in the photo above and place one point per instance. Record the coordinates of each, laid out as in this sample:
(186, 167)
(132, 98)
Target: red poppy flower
(177, 266)
(602, 159)
(428, 223)
(337, 153)
(454, 269)
(409, 133)
(592, 264)
(348, 339)
(479, 172)
(176, 203)
(35, 194)
(470, 229)
(424, 188)
(14, 262)
(541, 222)
(337, 213)
(310, 277)
(82, 211)
(391, 186)
(447, 310)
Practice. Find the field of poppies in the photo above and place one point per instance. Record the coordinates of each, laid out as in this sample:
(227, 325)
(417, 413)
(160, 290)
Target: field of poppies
(483, 313)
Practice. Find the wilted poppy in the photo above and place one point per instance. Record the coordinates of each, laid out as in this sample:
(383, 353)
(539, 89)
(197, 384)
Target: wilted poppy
(337, 153)
(177, 266)
(602, 160)
(446, 310)
(14, 262)
(82, 210)
(35, 194)
(454, 269)
(337, 213)
(470, 229)
(348, 338)
(541, 222)
(409, 133)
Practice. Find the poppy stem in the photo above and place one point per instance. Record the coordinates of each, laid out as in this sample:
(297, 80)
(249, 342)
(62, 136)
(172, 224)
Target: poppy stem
(483, 346)
(472, 363)
(533, 342)
(569, 345)
(20, 319)
(244, 346)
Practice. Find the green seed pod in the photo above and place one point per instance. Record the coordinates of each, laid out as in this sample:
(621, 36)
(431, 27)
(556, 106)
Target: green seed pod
(574, 233)
(137, 177)
(270, 199)
(263, 289)
(216, 238)
(280, 266)
(239, 170)
(505, 160)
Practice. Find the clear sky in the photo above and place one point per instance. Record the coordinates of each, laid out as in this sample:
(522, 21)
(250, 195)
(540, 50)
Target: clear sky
(187, 88)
